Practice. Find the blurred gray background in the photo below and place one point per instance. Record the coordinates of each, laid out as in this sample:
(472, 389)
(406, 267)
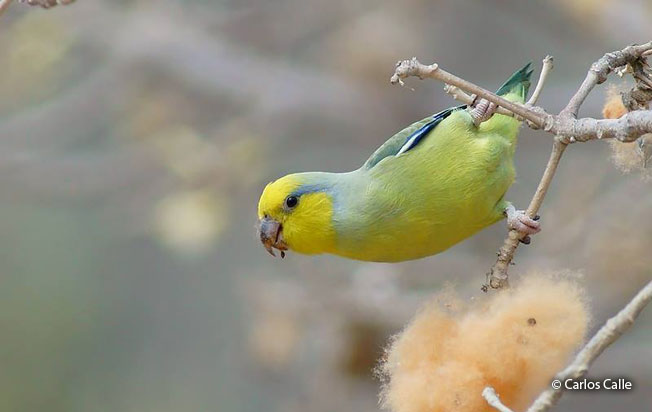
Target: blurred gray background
(136, 137)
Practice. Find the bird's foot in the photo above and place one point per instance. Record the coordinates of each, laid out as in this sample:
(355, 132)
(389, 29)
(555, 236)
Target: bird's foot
(482, 110)
(519, 220)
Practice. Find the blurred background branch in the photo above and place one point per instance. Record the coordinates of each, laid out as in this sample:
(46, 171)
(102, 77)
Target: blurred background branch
(4, 4)
(46, 4)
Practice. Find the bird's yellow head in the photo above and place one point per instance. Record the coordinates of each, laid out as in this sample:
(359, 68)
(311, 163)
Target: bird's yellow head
(295, 212)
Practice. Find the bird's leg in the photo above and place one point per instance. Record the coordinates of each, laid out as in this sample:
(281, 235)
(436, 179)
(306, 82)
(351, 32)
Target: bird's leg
(482, 110)
(519, 220)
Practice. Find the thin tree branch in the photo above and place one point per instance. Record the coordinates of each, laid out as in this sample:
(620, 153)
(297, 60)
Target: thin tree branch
(546, 67)
(413, 67)
(490, 395)
(497, 278)
(608, 334)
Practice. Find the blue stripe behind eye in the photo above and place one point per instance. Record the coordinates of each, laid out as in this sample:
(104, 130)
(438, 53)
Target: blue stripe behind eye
(311, 189)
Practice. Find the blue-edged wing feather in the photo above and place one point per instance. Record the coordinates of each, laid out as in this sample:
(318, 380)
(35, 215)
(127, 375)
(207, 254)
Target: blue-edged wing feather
(409, 137)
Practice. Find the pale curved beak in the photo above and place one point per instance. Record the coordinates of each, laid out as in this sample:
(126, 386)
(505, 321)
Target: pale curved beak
(271, 235)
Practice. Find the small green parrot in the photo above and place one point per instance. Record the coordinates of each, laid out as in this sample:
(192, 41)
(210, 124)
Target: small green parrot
(428, 187)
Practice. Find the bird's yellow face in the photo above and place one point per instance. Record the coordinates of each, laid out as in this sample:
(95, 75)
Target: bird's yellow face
(292, 215)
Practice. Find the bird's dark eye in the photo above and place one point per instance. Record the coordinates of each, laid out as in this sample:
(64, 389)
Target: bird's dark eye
(291, 201)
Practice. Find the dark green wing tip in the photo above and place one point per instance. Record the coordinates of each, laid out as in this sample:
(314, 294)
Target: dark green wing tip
(521, 78)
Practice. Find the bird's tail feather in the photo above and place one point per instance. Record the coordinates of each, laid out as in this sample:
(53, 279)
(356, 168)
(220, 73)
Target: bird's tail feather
(518, 83)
